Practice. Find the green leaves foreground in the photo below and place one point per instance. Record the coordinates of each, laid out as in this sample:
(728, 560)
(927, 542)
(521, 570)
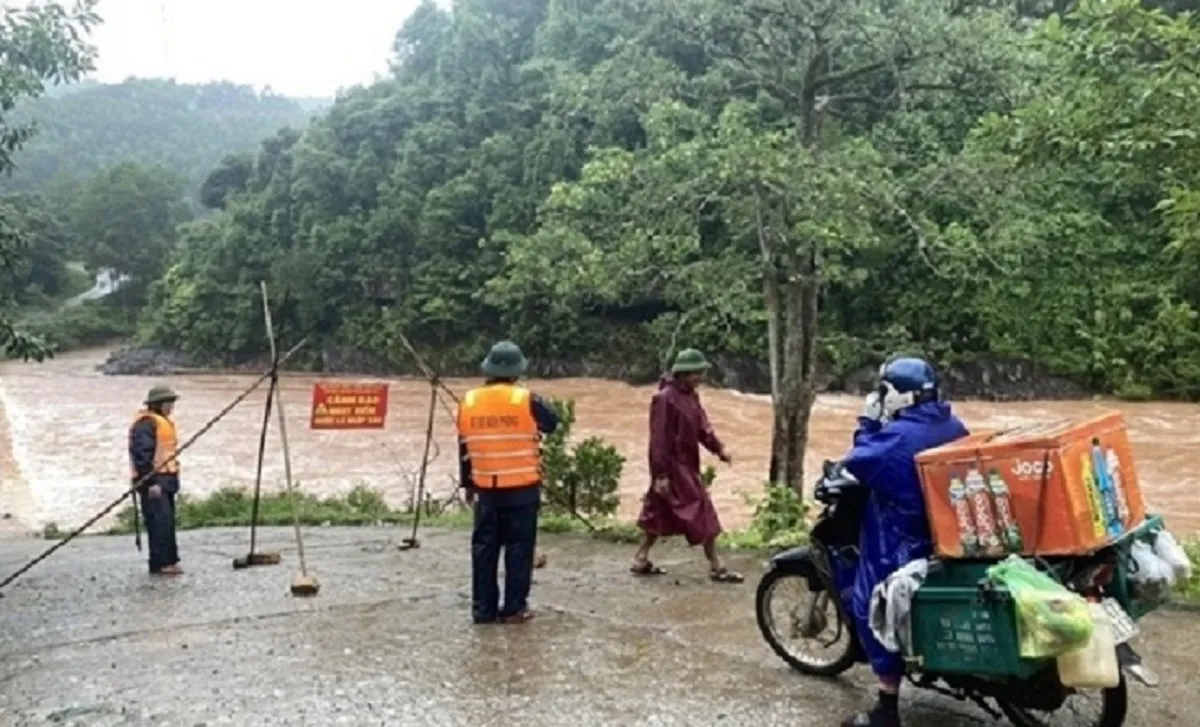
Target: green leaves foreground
(38, 44)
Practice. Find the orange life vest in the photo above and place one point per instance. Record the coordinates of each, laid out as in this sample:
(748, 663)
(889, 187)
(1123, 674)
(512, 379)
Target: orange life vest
(501, 436)
(166, 442)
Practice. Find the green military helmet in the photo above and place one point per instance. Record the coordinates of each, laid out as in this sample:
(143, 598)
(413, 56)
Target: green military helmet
(689, 361)
(160, 394)
(504, 361)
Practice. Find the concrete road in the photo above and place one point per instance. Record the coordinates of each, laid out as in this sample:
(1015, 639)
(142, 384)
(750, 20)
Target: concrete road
(88, 638)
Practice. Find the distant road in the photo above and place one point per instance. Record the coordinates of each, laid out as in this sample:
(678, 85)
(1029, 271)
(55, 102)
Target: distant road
(107, 282)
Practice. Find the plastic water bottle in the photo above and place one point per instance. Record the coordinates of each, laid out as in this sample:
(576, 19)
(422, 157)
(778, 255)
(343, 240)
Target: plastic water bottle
(1114, 475)
(1095, 503)
(1112, 519)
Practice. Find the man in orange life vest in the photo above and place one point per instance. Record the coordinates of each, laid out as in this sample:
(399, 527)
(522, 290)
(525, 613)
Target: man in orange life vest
(499, 433)
(152, 442)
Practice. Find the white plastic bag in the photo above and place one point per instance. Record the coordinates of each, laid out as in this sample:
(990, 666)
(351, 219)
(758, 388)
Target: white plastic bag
(890, 614)
(1152, 576)
(1168, 549)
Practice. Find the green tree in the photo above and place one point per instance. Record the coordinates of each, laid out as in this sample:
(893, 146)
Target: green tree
(231, 177)
(772, 189)
(126, 219)
(38, 44)
(47, 243)
(1118, 155)
(801, 187)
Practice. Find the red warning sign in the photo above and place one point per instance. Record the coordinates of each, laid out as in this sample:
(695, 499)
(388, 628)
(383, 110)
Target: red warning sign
(338, 405)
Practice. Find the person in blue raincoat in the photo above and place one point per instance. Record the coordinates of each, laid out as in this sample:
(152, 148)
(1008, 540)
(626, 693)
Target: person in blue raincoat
(904, 416)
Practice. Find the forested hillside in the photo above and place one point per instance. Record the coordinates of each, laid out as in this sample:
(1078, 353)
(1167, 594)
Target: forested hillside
(826, 181)
(186, 129)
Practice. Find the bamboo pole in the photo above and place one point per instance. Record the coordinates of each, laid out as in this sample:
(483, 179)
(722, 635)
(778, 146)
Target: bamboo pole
(132, 490)
(303, 584)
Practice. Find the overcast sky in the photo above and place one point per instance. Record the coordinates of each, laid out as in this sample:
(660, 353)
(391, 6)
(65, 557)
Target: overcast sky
(297, 47)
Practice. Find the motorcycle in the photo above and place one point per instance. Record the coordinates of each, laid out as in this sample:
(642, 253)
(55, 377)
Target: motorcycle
(964, 631)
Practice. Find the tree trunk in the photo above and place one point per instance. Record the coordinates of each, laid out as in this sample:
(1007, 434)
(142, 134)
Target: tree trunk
(791, 451)
(772, 299)
(793, 410)
(780, 429)
(806, 328)
(791, 289)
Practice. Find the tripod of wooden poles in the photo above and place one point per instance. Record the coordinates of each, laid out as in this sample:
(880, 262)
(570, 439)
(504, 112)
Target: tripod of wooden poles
(143, 480)
(303, 583)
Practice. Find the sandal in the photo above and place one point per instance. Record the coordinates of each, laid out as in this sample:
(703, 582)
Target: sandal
(724, 575)
(646, 568)
(519, 617)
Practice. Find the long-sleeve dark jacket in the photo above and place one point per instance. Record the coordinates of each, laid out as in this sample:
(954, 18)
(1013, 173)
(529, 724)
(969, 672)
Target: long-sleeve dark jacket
(543, 414)
(143, 441)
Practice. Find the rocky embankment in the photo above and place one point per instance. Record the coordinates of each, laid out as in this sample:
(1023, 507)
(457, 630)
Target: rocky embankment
(988, 379)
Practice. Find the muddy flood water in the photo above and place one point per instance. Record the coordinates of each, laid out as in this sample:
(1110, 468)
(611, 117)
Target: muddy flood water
(63, 432)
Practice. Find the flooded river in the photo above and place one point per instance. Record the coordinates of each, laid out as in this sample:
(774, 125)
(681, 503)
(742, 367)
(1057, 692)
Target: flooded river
(63, 432)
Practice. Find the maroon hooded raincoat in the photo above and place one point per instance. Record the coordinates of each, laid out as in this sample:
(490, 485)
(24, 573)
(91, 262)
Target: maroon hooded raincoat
(678, 427)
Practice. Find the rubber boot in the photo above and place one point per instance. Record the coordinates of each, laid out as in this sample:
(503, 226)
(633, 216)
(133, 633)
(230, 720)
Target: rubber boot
(885, 713)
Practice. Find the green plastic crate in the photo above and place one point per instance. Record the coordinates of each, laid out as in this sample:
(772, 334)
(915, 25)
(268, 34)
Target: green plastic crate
(960, 628)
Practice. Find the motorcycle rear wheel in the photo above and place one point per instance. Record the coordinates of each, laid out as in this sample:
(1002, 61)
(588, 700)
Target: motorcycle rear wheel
(1115, 708)
(838, 662)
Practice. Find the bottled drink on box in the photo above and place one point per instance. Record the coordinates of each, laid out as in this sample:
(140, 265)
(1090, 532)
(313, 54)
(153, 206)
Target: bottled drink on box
(1044, 478)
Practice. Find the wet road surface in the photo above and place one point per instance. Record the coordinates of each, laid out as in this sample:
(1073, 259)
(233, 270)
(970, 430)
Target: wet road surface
(88, 639)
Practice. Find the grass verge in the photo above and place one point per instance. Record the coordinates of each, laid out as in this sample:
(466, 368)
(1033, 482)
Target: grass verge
(363, 506)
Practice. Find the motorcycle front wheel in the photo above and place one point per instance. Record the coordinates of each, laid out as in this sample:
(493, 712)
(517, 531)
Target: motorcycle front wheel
(793, 619)
(1092, 708)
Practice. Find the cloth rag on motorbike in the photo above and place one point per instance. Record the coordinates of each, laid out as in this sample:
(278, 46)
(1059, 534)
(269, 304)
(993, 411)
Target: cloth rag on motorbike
(895, 528)
(891, 606)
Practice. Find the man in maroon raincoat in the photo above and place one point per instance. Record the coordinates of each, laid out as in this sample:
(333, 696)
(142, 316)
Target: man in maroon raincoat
(677, 502)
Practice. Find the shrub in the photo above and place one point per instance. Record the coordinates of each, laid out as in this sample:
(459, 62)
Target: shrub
(367, 501)
(1190, 589)
(1134, 391)
(585, 478)
(233, 506)
(88, 324)
(781, 518)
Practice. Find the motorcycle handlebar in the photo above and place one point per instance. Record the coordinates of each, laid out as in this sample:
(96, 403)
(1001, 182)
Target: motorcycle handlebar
(834, 479)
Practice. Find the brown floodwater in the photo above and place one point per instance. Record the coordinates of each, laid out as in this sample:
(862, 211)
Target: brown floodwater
(63, 434)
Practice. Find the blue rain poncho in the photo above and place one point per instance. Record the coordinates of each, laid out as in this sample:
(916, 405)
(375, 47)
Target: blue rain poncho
(895, 527)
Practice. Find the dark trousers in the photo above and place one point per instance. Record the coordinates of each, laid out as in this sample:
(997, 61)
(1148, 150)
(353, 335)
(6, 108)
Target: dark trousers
(508, 521)
(158, 515)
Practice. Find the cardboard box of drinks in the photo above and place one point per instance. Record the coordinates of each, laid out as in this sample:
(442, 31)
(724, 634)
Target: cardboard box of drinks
(1055, 488)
